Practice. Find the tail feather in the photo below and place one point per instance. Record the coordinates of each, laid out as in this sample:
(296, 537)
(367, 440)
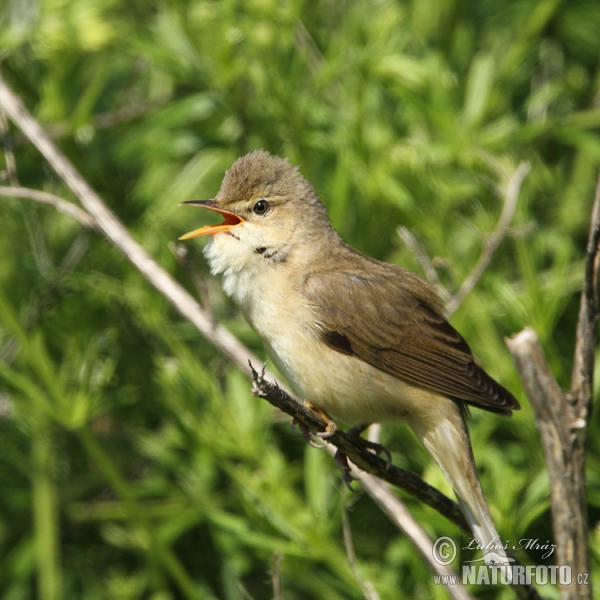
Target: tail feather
(446, 438)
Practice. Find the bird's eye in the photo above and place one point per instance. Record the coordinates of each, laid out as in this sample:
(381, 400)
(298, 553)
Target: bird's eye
(261, 207)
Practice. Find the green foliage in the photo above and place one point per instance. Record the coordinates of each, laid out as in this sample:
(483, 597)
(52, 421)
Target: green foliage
(134, 461)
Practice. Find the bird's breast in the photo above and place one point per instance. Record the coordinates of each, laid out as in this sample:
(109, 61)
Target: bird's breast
(346, 387)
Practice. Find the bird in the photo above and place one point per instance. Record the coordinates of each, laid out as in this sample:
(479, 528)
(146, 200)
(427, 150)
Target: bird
(359, 340)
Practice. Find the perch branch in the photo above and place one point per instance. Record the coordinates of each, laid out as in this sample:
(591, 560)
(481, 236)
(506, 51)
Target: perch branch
(362, 458)
(373, 472)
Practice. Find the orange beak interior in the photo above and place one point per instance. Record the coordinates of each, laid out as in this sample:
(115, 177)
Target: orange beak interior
(231, 220)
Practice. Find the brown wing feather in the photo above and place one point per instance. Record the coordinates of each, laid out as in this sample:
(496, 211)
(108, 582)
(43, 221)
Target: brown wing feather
(392, 320)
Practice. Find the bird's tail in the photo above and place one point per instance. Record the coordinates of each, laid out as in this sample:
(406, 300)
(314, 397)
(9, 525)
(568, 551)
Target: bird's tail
(446, 438)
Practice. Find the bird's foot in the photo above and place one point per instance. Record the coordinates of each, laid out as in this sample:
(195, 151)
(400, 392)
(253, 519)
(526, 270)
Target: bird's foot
(379, 449)
(330, 427)
(306, 433)
(341, 460)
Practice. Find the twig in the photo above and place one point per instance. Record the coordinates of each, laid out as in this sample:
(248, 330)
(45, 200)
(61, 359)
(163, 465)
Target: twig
(582, 377)
(9, 156)
(60, 204)
(508, 210)
(276, 576)
(123, 114)
(181, 254)
(43, 300)
(305, 43)
(369, 592)
(245, 593)
(398, 514)
(411, 242)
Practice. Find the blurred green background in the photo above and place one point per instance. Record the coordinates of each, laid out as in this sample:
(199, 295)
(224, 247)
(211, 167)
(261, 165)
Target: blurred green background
(134, 463)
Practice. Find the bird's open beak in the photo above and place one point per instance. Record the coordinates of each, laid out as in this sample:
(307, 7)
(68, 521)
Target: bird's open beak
(231, 220)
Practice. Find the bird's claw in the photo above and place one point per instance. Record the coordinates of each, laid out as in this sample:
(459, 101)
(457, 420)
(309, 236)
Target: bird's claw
(379, 449)
(306, 433)
(341, 461)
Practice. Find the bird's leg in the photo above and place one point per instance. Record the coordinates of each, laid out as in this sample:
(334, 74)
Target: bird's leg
(330, 427)
(341, 460)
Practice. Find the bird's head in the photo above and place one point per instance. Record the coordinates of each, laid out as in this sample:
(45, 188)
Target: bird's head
(269, 210)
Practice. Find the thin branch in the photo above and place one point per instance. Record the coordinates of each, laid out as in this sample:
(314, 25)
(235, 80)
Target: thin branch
(411, 242)
(245, 593)
(276, 576)
(547, 401)
(508, 210)
(105, 120)
(398, 514)
(553, 416)
(60, 204)
(452, 302)
(582, 379)
(181, 254)
(43, 299)
(305, 43)
(9, 155)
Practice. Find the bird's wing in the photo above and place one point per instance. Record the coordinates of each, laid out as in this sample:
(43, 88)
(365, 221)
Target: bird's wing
(392, 320)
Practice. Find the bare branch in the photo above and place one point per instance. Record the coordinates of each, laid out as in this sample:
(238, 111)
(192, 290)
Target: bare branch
(60, 204)
(276, 576)
(105, 120)
(11, 163)
(582, 379)
(491, 244)
(563, 419)
(545, 395)
(43, 299)
(398, 514)
(567, 495)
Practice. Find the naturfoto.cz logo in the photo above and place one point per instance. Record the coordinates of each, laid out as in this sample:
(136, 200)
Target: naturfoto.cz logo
(497, 567)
